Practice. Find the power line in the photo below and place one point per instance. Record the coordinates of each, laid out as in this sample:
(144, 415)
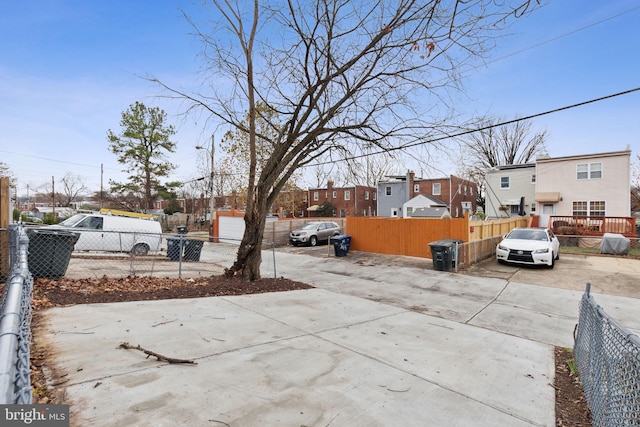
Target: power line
(467, 132)
(53, 160)
(584, 27)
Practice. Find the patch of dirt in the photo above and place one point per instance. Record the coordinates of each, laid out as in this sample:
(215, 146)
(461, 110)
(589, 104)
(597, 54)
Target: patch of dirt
(571, 407)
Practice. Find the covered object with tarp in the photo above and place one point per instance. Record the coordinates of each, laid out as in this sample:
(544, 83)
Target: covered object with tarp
(615, 244)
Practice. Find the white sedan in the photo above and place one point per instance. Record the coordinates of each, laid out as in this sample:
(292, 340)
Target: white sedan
(529, 246)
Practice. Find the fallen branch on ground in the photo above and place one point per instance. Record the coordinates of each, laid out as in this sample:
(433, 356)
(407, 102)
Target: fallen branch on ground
(160, 357)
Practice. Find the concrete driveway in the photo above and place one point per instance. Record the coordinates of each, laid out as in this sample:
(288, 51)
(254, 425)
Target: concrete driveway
(380, 341)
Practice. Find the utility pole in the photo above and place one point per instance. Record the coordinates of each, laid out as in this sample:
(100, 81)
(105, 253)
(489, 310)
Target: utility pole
(53, 197)
(211, 179)
(211, 198)
(101, 178)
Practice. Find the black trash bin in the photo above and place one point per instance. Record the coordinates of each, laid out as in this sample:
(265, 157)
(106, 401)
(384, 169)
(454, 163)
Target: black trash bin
(192, 249)
(175, 246)
(441, 254)
(341, 244)
(455, 247)
(50, 251)
(182, 229)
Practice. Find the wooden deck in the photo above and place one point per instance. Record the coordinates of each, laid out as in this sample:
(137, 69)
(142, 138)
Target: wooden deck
(592, 226)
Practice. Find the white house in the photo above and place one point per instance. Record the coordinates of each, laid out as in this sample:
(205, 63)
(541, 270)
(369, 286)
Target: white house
(584, 185)
(587, 185)
(420, 201)
(509, 186)
(435, 212)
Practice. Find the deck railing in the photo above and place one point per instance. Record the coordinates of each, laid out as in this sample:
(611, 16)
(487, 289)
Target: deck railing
(592, 225)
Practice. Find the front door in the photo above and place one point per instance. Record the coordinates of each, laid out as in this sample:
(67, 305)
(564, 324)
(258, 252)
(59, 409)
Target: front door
(547, 210)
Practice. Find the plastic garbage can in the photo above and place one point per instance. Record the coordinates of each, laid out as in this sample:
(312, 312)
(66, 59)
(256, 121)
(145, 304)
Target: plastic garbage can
(192, 249)
(455, 249)
(50, 252)
(441, 254)
(341, 244)
(175, 247)
(182, 229)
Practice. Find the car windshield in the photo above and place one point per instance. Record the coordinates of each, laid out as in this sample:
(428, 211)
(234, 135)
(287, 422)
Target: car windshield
(310, 226)
(528, 235)
(71, 221)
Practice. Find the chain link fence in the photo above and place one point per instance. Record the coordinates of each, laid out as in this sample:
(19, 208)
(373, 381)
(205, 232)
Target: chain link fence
(15, 320)
(55, 253)
(608, 360)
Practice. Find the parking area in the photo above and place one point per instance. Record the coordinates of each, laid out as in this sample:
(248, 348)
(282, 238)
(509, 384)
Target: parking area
(608, 274)
(380, 340)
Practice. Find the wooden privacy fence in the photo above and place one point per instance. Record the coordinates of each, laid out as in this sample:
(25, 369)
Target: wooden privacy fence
(411, 236)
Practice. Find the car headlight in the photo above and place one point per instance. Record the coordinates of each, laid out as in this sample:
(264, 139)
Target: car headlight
(541, 251)
(303, 233)
(503, 248)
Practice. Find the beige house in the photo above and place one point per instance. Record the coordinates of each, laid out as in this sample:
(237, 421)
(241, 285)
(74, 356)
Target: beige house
(510, 191)
(584, 185)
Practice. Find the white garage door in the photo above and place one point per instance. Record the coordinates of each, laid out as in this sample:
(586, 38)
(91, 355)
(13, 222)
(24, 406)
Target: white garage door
(231, 229)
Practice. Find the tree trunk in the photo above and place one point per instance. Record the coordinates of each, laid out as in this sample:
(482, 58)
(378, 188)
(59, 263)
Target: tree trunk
(249, 256)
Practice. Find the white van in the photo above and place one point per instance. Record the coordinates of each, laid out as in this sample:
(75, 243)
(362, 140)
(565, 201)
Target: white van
(115, 231)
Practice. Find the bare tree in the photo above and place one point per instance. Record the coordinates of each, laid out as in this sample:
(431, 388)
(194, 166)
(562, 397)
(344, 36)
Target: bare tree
(494, 145)
(336, 73)
(498, 145)
(72, 187)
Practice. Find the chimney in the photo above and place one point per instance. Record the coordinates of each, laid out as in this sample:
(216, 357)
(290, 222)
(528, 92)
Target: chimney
(410, 178)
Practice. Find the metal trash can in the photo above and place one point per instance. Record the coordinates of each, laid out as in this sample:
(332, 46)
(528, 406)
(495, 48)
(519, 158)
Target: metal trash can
(175, 246)
(192, 249)
(341, 244)
(441, 254)
(50, 251)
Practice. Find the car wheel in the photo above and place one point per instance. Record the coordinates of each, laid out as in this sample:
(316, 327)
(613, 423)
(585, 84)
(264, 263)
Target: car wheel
(140, 249)
(558, 256)
(313, 241)
(553, 261)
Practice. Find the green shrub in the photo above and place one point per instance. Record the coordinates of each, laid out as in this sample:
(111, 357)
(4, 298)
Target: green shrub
(50, 218)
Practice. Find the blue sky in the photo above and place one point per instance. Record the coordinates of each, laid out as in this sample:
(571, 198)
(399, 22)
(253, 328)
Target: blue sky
(69, 68)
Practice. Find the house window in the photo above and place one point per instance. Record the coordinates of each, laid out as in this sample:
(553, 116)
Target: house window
(286, 197)
(409, 210)
(366, 195)
(315, 196)
(335, 194)
(580, 208)
(591, 208)
(435, 189)
(347, 195)
(375, 195)
(596, 208)
(589, 171)
(533, 178)
(533, 207)
(416, 188)
(388, 191)
(304, 197)
(514, 209)
(504, 182)
(471, 191)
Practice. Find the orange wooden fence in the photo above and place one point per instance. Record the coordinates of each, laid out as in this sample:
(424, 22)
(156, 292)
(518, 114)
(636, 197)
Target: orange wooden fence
(411, 236)
(403, 236)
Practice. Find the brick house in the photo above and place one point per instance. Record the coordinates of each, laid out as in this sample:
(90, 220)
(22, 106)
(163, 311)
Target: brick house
(457, 194)
(358, 200)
